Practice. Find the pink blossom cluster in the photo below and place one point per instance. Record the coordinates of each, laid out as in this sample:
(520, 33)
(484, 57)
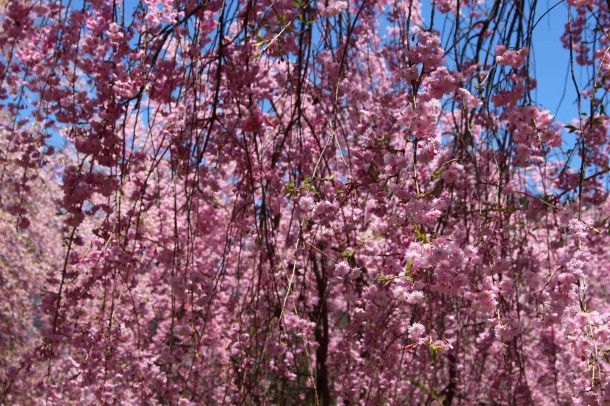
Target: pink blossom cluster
(281, 202)
(514, 59)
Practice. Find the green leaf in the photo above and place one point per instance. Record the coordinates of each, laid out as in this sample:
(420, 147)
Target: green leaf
(437, 173)
(385, 279)
(435, 349)
(408, 271)
(421, 237)
(347, 254)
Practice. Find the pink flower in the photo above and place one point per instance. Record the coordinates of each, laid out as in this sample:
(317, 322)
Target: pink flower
(399, 292)
(332, 8)
(416, 330)
(342, 269)
(515, 59)
(468, 99)
(415, 297)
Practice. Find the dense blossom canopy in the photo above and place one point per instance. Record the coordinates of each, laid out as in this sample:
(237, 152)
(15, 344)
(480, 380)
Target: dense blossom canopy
(292, 202)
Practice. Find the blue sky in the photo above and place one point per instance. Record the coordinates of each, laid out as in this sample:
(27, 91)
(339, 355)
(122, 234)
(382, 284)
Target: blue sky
(549, 59)
(551, 63)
